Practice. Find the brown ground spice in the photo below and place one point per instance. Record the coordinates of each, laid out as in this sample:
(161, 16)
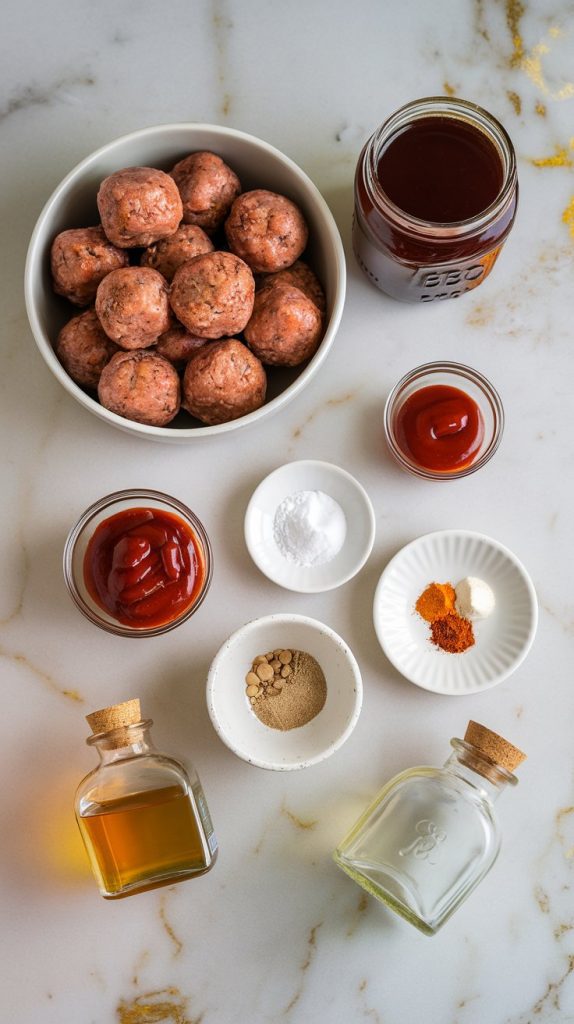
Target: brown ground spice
(452, 633)
(302, 698)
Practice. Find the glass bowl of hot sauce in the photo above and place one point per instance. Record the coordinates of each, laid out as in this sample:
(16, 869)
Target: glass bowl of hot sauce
(443, 421)
(138, 563)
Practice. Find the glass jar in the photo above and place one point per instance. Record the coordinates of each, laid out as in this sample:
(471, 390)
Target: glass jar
(143, 818)
(431, 834)
(421, 260)
(76, 559)
(454, 375)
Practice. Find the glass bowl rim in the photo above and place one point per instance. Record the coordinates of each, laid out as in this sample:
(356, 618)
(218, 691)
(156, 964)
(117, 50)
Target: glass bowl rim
(467, 373)
(107, 501)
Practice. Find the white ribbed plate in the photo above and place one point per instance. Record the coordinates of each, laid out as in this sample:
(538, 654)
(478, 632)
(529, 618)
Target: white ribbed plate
(502, 641)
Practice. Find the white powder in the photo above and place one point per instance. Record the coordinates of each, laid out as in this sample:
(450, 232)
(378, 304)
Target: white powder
(309, 528)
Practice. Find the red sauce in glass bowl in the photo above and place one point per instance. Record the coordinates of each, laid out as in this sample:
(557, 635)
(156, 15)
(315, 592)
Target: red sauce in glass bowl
(440, 428)
(144, 567)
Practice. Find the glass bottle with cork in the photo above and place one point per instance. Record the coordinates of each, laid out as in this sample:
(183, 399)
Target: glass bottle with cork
(432, 834)
(143, 818)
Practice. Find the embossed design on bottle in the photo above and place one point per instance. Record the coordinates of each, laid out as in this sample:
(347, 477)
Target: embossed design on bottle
(428, 838)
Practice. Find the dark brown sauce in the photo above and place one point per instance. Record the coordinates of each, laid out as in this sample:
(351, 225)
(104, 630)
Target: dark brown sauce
(441, 170)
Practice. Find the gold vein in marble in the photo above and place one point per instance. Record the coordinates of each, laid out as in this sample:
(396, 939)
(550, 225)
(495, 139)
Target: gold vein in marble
(305, 824)
(568, 217)
(479, 26)
(514, 12)
(23, 580)
(163, 1005)
(563, 819)
(329, 404)
(560, 158)
(533, 67)
(448, 89)
(368, 1011)
(139, 965)
(178, 944)
(258, 847)
(540, 109)
(311, 949)
(21, 659)
(542, 898)
(480, 315)
(553, 990)
(222, 25)
(531, 61)
(515, 100)
(362, 906)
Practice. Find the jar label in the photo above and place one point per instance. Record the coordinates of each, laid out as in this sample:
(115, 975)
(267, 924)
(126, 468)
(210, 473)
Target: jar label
(450, 281)
(419, 284)
(205, 816)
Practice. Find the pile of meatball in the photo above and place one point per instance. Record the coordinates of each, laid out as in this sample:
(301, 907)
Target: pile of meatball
(193, 287)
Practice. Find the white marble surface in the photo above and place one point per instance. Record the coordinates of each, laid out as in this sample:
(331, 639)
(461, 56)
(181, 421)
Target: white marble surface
(276, 932)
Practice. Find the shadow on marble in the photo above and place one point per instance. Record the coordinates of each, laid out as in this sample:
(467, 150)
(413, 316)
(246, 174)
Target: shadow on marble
(42, 850)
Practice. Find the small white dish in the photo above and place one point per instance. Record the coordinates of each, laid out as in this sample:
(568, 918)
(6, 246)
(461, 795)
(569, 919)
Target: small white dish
(310, 475)
(502, 640)
(237, 724)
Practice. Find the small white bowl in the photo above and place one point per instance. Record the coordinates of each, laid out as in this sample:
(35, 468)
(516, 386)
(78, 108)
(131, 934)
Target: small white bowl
(235, 721)
(310, 475)
(502, 640)
(259, 165)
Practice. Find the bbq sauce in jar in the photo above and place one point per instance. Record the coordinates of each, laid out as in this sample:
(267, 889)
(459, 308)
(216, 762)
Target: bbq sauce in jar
(435, 198)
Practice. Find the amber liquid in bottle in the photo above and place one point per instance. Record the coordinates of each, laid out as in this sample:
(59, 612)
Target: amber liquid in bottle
(441, 170)
(143, 836)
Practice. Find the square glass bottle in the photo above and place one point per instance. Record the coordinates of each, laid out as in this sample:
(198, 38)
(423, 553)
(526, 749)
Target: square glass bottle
(143, 818)
(432, 834)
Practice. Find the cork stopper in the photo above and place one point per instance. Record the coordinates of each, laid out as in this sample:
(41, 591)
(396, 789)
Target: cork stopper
(115, 717)
(493, 746)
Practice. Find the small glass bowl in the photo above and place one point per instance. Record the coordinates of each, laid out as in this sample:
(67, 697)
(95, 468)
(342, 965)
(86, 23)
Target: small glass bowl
(79, 538)
(465, 379)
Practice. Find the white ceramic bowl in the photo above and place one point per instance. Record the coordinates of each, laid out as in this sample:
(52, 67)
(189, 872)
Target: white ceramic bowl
(502, 640)
(310, 475)
(231, 712)
(259, 165)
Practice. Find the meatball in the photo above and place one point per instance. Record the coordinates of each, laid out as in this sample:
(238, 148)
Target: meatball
(140, 386)
(133, 306)
(299, 276)
(285, 328)
(84, 348)
(266, 230)
(213, 294)
(223, 382)
(178, 345)
(169, 253)
(207, 187)
(139, 205)
(79, 259)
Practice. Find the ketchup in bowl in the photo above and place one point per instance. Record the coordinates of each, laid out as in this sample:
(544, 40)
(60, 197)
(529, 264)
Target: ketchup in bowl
(440, 428)
(144, 567)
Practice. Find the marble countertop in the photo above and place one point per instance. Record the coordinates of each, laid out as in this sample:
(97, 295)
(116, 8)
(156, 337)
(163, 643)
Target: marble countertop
(276, 932)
